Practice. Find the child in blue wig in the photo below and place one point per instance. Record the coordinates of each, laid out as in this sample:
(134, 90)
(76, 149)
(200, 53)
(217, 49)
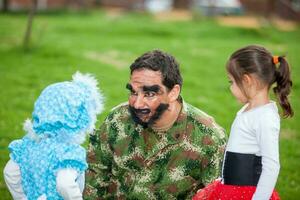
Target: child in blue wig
(48, 162)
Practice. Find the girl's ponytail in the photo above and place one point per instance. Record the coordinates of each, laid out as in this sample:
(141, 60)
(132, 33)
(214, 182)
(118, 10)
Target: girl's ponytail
(283, 87)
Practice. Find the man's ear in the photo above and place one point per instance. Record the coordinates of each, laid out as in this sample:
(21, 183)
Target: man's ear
(174, 93)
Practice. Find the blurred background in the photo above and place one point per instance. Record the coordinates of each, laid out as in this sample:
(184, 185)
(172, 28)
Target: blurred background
(46, 41)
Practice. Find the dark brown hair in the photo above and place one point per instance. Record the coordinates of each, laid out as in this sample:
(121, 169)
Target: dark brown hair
(157, 60)
(257, 60)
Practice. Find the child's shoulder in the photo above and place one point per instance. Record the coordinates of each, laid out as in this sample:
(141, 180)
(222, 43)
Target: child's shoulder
(267, 117)
(268, 110)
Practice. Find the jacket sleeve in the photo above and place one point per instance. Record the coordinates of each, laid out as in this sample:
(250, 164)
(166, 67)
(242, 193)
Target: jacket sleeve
(100, 161)
(12, 177)
(213, 145)
(268, 140)
(66, 184)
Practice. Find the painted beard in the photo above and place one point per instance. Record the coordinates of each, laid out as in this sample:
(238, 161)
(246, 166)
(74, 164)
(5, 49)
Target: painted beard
(156, 116)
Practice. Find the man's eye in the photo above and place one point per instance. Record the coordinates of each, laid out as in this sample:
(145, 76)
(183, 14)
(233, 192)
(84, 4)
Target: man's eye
(230, 82)
(150, 94)
(133, 93)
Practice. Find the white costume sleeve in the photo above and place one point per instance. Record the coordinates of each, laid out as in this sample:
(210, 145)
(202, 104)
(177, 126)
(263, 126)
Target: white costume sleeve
(267, 137)
(67, 184)
(12, 177)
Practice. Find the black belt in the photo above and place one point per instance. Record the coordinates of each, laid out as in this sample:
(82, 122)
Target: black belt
(241, 169)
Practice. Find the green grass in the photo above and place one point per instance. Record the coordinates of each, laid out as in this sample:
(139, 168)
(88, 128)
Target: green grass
(105, 46)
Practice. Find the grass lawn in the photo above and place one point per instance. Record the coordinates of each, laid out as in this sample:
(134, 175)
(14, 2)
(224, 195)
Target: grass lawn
(105, 45)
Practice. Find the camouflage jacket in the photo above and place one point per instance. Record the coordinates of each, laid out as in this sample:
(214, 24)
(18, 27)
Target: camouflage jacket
(129, 162)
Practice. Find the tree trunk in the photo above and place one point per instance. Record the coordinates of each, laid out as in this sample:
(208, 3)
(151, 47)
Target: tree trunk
(270, 9)
(5, 5)
(28, 31)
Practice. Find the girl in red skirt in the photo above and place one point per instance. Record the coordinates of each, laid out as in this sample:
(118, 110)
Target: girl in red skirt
(251, 162)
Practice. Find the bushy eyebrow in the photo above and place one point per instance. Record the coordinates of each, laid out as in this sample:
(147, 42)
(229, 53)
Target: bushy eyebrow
(146, 88)
(151, 88)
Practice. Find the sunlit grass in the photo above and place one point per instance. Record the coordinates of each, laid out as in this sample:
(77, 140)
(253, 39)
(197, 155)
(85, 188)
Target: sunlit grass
(105, 46)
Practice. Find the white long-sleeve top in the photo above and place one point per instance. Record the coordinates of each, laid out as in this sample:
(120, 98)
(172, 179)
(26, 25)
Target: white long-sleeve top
(69, 183)
(256, 131)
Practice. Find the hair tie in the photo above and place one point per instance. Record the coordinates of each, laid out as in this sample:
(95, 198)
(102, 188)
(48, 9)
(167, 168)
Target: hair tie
(275, 59)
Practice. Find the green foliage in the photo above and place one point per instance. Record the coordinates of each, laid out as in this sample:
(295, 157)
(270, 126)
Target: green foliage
(105, 45)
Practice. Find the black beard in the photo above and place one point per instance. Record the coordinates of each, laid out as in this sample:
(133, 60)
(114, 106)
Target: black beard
(157, 114)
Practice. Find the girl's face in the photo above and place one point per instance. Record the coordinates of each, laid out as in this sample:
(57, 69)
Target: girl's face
(236, 91)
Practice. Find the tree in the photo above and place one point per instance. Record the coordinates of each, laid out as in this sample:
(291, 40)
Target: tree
(5, 5)
(28, 31)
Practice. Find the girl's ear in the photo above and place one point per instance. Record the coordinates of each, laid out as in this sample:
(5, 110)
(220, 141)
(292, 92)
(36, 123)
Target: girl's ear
(174, 93)
(247, 80)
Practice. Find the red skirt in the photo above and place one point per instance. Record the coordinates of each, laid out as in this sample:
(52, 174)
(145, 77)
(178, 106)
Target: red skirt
(219, 191)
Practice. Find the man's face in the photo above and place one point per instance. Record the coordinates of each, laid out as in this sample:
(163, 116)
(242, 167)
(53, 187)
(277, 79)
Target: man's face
(148, 98)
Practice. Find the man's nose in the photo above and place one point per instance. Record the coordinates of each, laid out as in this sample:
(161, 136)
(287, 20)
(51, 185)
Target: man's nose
(139, 102)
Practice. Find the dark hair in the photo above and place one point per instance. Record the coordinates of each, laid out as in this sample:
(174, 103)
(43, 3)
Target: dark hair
(257, 60)
(157, 60)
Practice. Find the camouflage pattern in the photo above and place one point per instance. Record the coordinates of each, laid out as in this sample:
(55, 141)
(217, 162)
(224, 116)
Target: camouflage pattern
(129, 162)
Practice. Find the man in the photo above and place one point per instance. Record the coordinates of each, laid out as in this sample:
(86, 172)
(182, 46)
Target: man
(156, 146)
